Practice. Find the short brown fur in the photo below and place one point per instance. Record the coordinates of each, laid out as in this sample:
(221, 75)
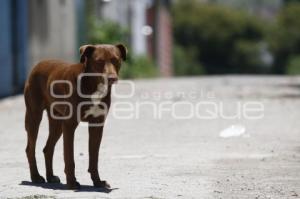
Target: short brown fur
(104, 59)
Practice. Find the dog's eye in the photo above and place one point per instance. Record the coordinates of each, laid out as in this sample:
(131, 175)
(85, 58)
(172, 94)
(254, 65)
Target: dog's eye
(115, 62)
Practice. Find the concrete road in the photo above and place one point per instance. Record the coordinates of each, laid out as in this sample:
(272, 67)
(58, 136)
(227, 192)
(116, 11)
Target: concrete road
(220, 150)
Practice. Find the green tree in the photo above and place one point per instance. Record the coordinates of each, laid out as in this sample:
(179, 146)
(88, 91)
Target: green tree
(285, 36)
(184, 62)
(107, 32)
(293, 66)
(216, 33)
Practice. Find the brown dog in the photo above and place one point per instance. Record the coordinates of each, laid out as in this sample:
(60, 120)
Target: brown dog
(71, 93)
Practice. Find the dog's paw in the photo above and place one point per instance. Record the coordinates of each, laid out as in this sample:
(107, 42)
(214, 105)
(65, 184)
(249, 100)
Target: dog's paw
(73, 186)
(38, 179)
(102, 184)
(53, 179)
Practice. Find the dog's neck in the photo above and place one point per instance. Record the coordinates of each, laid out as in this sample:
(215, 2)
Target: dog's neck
(95, 86)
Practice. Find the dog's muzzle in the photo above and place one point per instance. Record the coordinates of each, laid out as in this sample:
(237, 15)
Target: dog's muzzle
(112, 79)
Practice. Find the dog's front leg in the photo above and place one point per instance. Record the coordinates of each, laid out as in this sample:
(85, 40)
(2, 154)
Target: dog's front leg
(68, 137)
(95, 137)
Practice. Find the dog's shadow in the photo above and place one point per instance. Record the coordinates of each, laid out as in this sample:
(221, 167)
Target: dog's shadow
(59, 186)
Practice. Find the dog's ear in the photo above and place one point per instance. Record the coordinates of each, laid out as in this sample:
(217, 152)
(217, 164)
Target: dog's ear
(123, 51)
(85, 52)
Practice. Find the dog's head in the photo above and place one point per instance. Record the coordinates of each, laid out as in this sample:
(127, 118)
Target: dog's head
(104, 59)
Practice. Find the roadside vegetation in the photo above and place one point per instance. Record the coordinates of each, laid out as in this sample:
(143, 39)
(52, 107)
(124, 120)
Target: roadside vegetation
(111, 32)
(216, 39)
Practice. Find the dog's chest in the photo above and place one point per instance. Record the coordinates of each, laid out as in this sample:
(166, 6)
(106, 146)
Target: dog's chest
(97, 107)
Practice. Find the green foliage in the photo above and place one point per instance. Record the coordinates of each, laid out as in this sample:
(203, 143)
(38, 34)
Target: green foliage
(285, 36)
(216, 32)
(139, 67)
(247, 57)
(185, 62)
(293, 67)
(107, 32)
(112, 33)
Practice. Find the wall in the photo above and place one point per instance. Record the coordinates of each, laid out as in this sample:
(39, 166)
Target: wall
(52, 30)
(13, 48)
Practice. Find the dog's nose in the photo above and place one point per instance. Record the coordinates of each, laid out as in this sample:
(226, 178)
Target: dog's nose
(112, 79)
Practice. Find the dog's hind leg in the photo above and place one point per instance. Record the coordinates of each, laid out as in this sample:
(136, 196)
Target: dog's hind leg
(55, 132)
(33, 118)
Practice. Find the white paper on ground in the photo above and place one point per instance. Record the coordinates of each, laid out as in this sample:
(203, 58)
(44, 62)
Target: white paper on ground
(233, 131)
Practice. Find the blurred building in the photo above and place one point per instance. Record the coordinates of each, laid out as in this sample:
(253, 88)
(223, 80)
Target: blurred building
(33, 30)
(51, 30)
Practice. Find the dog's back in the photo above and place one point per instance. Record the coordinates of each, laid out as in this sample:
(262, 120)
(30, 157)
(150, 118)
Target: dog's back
(43, 70)
(43, 73)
